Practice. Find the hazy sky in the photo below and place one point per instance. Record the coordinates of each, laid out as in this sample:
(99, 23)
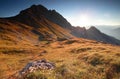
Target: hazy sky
(77, 12)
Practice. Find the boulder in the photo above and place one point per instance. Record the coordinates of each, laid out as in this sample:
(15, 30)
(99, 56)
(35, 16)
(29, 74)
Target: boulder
(37, 65)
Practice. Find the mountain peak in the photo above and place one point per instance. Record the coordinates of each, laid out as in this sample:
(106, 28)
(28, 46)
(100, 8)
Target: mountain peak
(38, 7)
(34, 9)
(39, 17)
(93, 28)
(39, 12)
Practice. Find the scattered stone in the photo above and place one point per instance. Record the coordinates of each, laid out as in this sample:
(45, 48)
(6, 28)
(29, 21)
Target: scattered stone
(37, 65)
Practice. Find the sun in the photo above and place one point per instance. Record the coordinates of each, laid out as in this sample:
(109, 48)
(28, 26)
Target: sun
(84, 19)
(81, 20)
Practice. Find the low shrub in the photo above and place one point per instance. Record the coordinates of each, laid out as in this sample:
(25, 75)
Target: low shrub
(112, 71)
(95, 61)
(70, 41)
(13, 51)
(80, 50)
(61, 71)
(34, 75)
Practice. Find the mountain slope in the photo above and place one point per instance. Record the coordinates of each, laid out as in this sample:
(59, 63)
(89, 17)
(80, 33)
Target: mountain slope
(20, 32)
(73, 59)
(50, 25)
(116, 33)
(12, 32)
(94, 33)
(113, 31)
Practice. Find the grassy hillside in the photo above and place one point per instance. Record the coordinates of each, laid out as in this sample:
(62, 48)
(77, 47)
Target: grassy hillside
(74, 59)
(13, 32)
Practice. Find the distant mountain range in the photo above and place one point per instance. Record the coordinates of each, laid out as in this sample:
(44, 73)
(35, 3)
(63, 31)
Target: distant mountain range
(38, 23)
(113, 31)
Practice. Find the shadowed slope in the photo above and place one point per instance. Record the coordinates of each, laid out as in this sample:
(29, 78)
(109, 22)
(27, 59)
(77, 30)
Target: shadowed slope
(50, 25)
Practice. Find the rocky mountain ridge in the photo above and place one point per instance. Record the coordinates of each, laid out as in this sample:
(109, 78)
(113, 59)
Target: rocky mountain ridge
(50, 25)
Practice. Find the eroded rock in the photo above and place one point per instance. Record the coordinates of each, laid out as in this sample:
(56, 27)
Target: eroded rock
(37, 65)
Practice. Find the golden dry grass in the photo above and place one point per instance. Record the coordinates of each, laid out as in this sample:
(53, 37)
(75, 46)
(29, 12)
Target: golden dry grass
(74, 59)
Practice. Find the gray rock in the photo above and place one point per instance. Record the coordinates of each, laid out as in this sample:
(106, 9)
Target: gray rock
(37, 65)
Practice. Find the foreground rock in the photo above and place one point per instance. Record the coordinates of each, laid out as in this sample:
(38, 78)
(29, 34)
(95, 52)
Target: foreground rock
(37, 65)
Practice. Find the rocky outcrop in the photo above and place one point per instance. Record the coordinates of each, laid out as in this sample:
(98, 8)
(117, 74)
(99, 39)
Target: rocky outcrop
(37, 65)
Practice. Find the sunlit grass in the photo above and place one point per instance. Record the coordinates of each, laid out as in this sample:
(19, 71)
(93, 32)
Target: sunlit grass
(77, 60)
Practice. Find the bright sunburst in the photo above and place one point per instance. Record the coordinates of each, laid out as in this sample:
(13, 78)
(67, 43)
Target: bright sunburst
(84, 19)
(81, 20)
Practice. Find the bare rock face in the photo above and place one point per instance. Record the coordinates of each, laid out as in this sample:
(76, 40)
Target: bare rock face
(37, 65)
